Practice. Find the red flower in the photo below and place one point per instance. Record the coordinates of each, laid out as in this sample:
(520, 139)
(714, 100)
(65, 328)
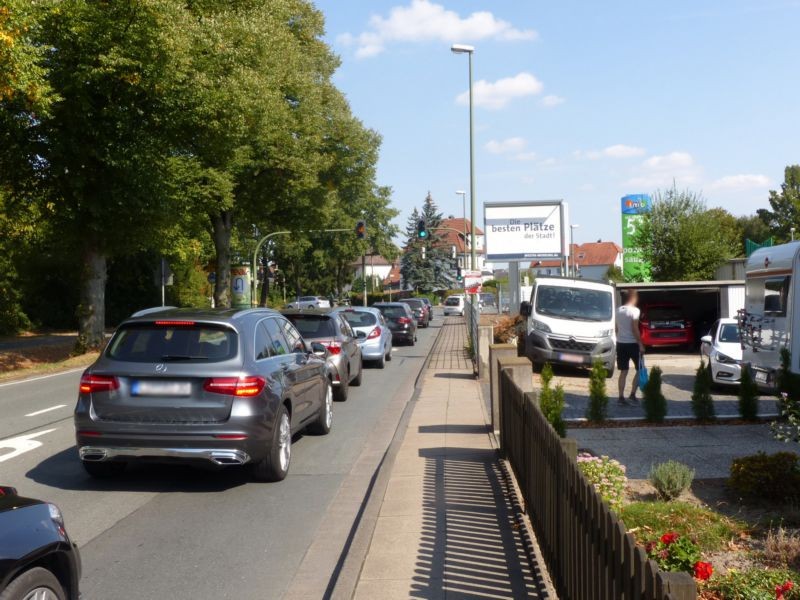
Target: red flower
(781, 589)
(649, 547)
(703, 570)
(668, 538)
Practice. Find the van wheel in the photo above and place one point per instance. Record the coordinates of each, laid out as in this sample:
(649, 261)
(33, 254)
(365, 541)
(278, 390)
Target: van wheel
(275, 465)
(609, 372)
(34, 583)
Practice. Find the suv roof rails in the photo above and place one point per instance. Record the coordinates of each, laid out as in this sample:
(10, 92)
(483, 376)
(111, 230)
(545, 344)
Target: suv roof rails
(149, 311)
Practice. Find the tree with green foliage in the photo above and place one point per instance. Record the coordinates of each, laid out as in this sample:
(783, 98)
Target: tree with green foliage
(784, 211)
(615, 274)
(682, 239)
(702, 402)
(597, 410)
(753, 228)
(434, 271)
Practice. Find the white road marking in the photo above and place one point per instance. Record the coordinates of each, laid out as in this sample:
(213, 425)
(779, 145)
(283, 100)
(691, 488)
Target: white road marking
(43, 377)
(44, 410)
(21, 444)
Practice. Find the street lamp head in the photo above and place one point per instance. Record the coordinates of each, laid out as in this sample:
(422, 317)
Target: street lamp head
(462, 49)
(574, 226)
(461, 193)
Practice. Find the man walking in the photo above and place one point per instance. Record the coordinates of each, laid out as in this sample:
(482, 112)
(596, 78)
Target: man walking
(629, 342)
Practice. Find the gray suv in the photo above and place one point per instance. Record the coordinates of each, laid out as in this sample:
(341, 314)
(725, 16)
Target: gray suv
(226, 387)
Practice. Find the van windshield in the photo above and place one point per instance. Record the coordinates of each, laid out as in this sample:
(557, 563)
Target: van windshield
(574, 303)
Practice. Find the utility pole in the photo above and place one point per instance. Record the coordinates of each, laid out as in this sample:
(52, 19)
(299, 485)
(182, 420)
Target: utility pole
(364, 274)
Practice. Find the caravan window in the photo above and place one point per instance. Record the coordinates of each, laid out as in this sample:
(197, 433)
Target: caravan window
(776, 296)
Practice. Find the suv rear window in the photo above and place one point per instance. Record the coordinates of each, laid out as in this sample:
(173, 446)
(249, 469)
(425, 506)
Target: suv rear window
(313, 326)
(359, 318)
(152, 343)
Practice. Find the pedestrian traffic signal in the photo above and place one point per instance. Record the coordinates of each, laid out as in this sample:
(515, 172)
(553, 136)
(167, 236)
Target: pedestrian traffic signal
(422, 229)
(361, 230)
(422, 252)
(459, 274)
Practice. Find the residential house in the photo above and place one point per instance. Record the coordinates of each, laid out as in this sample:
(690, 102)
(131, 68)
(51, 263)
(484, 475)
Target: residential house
(592, 260)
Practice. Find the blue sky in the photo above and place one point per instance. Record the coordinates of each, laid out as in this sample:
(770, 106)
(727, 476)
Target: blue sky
(585, 101)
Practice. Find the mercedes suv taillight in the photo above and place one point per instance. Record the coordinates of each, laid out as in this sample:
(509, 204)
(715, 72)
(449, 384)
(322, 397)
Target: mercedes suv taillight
(91, 384)
(245, 386)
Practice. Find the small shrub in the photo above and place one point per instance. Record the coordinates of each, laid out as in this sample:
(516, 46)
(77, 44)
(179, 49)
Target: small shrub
(782, 548)
(748, 396)
(597, 411)
(551, 401)
(506, 329)
(787, 429)
(674, 553)
(655, 404)
(773, 477)
(671, 479)
(754, 584)
(607, 476)
(702, 402)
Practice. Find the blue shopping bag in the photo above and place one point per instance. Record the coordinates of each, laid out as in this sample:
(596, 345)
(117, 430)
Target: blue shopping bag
(643, 375)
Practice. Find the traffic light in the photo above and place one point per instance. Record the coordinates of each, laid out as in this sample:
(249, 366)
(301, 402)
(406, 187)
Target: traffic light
(361, 230)
(422, 229)
(422, 252)
(459, 274)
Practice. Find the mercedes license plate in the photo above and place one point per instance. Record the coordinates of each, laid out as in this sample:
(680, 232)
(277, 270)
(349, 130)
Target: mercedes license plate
(571, 358)
(161, 388)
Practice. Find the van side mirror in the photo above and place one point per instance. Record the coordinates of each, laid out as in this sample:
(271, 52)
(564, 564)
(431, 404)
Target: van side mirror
(525, 309)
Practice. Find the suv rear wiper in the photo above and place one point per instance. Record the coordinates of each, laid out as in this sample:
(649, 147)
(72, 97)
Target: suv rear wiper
(170, 357)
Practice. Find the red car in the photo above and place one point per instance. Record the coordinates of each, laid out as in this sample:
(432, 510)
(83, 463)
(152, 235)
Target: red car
(665, 325)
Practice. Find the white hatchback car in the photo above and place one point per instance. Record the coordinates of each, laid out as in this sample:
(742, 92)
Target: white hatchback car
(454, 305)
(724, 351)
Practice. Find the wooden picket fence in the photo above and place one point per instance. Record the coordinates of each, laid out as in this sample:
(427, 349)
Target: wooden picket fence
(588, 552)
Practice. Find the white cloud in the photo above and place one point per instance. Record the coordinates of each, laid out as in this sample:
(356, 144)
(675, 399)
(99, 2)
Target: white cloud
(423, 20)
(551, 100)
(615, 151)
(512, 144)
(548, 162)
(495, 95)
(526, 156)
(671, 161)
(660, 171)
(740, 182)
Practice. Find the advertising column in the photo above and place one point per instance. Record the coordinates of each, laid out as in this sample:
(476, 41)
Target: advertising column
(240, 286)
(635, 208)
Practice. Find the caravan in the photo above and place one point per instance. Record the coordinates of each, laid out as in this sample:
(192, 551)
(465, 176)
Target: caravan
(770, 319)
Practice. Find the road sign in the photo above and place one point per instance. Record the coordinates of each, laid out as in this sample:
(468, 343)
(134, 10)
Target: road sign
(521, 231)
(473, 282)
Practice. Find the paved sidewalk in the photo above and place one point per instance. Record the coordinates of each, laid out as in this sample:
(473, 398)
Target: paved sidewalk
(446, 527)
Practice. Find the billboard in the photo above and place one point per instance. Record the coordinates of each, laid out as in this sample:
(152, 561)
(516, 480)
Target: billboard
(635, 208)
(517, 231)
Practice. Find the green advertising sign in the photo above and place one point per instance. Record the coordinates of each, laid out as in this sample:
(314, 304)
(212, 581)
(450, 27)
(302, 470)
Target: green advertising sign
(635, 208)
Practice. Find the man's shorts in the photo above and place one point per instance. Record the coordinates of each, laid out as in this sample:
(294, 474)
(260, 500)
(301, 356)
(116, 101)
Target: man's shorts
(626, 353)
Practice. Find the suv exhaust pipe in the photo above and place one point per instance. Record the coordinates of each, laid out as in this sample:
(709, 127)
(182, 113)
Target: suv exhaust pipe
(93, 454)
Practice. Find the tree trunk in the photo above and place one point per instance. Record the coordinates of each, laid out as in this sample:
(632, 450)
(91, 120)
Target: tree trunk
(92, 307)
(221, 224)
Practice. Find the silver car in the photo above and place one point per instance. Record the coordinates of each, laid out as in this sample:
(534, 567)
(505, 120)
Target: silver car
(329, 328)
(224, 387)
(372, 331)
(724, 352)
(310, 302)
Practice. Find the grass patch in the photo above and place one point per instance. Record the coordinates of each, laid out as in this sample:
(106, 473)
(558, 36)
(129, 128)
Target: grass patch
(31, 367)
(649, 520)
(751, 584)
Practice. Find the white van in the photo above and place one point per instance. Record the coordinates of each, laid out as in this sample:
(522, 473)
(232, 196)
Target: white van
(570, 321)
(454, 305)
(767, 323)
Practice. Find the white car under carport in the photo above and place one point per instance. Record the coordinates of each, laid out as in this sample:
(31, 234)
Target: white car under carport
(724, 352)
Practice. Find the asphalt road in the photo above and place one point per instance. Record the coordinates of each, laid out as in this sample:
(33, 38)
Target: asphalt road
(180, 532)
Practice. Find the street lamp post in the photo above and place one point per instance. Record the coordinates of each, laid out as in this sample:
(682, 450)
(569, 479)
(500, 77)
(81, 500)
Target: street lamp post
(572, 248)
(469, 50)
(792, 230)
(463, 195)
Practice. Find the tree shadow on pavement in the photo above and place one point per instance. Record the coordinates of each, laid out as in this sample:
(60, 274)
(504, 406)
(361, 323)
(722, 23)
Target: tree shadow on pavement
(64, 471)
(470, 545)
